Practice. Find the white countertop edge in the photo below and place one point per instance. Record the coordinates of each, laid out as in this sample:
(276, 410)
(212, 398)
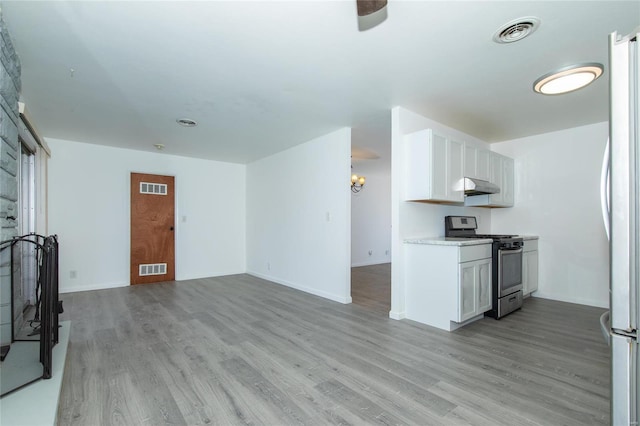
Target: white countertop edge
(442, 241)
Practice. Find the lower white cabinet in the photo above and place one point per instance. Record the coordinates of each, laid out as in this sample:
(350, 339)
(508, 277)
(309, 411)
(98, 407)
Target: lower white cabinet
(530, 267)
(474, 287)
(446, 285)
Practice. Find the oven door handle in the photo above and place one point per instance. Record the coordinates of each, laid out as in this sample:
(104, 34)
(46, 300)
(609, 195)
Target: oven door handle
(512, 250)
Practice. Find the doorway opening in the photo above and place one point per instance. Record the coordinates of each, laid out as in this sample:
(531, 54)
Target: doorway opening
(371, 287)
(371, 215)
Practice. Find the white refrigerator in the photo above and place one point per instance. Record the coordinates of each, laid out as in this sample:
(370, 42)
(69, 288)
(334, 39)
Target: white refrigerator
(620, 195)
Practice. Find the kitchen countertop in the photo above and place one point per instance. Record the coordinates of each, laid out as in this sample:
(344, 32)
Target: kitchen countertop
(442, 241)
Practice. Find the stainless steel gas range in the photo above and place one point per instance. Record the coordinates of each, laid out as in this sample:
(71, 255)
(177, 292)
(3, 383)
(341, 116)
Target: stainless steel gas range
(506, 276)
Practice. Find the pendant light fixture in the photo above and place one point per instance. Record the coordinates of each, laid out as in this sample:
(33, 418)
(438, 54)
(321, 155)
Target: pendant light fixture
(568, 79)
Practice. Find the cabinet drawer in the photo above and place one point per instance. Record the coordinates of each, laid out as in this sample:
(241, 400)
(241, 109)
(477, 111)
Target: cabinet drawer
(530, 245)
(469, 253)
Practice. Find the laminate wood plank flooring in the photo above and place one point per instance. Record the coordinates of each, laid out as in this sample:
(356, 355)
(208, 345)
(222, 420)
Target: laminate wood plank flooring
(241, 350)
(371, 287)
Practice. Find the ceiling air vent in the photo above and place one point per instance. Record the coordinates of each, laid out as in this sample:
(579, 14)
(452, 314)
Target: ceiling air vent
(516, 30)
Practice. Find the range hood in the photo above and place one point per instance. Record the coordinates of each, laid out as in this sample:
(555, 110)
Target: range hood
(474, 186)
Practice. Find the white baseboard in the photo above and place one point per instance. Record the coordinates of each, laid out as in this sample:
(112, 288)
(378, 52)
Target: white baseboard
(370, 263)
(577, 300)
(397, 315)
(104, 286)
(330, 296)
(92, 287)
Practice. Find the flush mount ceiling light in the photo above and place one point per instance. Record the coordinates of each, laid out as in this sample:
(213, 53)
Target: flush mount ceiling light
(159, 146)
(186, 122)
(516, 30)
(568, 79)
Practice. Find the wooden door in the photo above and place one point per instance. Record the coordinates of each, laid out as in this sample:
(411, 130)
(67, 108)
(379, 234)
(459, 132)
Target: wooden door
(152, 228)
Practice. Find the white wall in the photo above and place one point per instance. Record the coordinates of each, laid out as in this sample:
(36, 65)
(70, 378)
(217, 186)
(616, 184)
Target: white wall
(557, 196)
(89, 209)
(371, 220)
(299, 216)
(411, 219)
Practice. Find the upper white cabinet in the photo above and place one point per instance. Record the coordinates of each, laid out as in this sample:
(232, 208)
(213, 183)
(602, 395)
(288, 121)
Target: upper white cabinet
(477, 162)
(502, 174)
(434, 167)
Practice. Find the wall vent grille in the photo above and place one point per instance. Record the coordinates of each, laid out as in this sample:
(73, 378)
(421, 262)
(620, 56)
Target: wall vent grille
(152, 269)
(153, 188)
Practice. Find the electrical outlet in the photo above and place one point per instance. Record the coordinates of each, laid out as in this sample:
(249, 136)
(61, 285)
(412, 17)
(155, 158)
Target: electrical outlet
(73, 274)
(370, 252)
(386, 252)
(268, 266)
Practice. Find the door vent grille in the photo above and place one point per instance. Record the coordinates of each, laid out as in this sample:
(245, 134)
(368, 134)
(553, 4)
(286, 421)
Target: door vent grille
(153, 188)
(152, 269)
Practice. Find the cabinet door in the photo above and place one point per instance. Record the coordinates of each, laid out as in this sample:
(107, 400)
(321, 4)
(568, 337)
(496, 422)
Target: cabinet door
(529, 271)
(417, 165)
(485, 301)
(507, 181)
(467, 296)
(439, 167)
(496, 177)
(470, 161)
(483, 164)
(455, 171)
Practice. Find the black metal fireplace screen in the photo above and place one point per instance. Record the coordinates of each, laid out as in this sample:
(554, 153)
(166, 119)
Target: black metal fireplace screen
(43, 318)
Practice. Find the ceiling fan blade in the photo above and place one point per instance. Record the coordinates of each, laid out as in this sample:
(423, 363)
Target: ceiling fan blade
(367, 7)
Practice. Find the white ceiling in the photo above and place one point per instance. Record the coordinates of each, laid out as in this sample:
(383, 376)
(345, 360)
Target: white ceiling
(260, 77)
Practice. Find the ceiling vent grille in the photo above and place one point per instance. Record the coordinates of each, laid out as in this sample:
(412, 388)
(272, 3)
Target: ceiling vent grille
(516, 30)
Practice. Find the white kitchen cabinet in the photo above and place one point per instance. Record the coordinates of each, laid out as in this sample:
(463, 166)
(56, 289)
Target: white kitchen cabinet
(529, 267)
(501, 171)
(470, 158)
(474, 289)
(477, 162)
(434, 167)
(483, 164)
(447, 286)
(502, 174)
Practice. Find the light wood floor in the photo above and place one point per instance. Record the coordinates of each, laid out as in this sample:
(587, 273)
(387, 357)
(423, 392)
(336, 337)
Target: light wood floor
(241, 350)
